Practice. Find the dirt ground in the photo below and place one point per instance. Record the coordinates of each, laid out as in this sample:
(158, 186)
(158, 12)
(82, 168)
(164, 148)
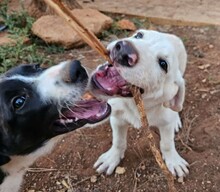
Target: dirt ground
(69, 168)
(170, 11)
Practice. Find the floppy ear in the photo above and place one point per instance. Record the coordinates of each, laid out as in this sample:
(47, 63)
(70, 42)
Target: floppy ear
(176, 103)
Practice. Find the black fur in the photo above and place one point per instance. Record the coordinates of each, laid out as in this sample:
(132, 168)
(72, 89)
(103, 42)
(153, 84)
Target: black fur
(2, 176)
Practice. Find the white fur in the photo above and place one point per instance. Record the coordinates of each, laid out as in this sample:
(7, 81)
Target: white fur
(163, 98)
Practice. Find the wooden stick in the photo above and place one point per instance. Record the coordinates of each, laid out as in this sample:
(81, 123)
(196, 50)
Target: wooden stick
(86, 35)
(140, 105)
(92, 40)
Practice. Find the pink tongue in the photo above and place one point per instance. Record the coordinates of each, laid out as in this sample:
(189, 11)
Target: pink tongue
(86, 109)
(110, 80)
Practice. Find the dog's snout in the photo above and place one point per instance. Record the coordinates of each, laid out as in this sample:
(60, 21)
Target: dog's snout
(124, 53)
(74, 72)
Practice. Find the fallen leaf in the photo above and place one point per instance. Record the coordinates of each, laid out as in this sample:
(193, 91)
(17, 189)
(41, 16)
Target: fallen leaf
(64, 183)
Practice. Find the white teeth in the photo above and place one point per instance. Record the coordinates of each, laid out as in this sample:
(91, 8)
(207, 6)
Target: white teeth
(64, 121)
(76, 119)
(69, 121)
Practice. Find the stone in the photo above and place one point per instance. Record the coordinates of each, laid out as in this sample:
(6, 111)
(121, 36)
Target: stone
(126, 24)
(180, 180)
(54, 29)
(120, 170)
(5, 39)
(37, 8)
(93, 179)
(28, 5)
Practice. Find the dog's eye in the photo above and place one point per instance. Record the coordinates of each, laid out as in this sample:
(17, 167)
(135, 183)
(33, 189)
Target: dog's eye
(139, 35)
(37, 67)
(18, 102)
(163, 64)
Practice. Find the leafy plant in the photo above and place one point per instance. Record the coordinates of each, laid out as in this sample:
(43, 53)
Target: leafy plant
(114, 30)
(26, 48)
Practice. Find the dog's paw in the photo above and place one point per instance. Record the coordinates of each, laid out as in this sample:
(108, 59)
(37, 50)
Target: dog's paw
(176, 164)
(108, 161)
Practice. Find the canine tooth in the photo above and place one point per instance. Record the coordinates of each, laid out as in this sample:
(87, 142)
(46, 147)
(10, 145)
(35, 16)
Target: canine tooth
(69, 121)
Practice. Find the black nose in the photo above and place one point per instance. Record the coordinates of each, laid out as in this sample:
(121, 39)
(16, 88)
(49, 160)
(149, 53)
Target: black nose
(74, 72)
(124, 53)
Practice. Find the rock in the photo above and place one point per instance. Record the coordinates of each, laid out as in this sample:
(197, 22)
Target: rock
(211, 46)
(126, 24)
(53, 29)
(180, 180)
(37, 8)
(5, 39)
(120, 170)
(93, 179)
(28, 5)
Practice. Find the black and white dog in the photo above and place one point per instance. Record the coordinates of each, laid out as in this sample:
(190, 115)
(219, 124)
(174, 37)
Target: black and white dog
(37, 106)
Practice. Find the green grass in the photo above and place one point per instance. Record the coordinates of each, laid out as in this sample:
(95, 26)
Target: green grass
(19, 28)
(120, 33)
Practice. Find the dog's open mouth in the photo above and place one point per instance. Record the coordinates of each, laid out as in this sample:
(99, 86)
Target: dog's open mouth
(86, 111)
(107, 80)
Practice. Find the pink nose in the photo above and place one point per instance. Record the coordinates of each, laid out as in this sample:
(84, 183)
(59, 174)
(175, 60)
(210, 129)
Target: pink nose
(124, 53)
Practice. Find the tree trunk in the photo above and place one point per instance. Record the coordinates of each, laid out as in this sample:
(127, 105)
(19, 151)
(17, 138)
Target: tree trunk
(43, 9)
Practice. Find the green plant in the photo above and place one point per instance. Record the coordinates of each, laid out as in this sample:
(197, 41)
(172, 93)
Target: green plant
(53, 49)
(140, 22)
(26, 47)
(114, 30)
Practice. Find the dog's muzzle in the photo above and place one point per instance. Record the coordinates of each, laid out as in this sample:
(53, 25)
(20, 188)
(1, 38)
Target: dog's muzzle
(73, 72)
(124, 53)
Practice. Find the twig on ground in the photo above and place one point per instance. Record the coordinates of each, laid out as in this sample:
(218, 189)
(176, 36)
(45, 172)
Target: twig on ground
(38, 170)
(79, 182)
(135, 180)
(184, 144)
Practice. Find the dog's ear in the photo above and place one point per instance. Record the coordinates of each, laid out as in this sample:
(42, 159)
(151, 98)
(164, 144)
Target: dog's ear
(176, 103)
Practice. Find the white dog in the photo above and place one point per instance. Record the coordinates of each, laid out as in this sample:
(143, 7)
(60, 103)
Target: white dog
(155, 62)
